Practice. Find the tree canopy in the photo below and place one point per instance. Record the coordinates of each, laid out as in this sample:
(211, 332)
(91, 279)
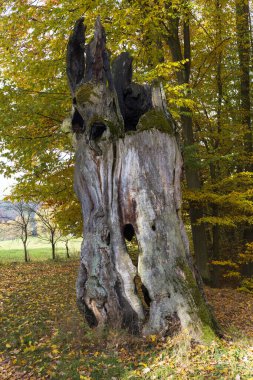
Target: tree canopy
(201, 52)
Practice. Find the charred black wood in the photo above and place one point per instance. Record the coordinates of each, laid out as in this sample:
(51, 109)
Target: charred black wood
(137, 101)
(134, 99)
(75, 55)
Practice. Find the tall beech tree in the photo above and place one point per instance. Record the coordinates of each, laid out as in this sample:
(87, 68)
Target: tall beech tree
(245, 57)
(244, 52)
(181, 53)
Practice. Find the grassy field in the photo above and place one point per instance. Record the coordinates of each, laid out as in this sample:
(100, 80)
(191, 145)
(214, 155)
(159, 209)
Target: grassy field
(43, 335)
(12, 250)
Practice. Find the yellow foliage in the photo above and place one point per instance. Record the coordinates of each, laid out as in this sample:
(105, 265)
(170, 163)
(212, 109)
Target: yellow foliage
(224, 263)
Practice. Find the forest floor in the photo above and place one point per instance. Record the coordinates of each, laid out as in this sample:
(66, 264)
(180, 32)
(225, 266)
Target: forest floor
(43, 336)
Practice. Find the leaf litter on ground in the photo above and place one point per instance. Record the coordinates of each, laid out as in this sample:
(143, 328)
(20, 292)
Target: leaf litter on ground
(43, 335)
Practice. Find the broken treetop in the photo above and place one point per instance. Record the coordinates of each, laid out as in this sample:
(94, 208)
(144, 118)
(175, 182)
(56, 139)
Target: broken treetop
(91, 77)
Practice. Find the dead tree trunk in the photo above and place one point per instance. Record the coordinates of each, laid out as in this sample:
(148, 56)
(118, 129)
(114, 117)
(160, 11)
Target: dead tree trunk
(127, 177)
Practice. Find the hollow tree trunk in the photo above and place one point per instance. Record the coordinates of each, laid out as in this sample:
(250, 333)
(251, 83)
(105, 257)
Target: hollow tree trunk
(129, 181)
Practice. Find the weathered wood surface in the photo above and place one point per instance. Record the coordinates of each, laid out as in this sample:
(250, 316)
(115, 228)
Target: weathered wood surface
(129, 183)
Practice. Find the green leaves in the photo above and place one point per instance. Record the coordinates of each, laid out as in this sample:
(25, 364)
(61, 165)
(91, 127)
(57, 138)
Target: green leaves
(34, 97)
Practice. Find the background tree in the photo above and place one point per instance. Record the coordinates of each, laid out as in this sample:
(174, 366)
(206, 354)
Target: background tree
(48, 229)
(21, 224)
(181, 54)
(66, 239)
(244, 52)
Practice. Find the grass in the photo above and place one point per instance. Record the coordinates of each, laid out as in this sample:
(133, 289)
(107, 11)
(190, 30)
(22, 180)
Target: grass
(43, 336)
(12, 250)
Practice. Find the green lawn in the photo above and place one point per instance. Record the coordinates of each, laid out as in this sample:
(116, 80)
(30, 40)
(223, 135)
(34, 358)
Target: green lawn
(12, 250)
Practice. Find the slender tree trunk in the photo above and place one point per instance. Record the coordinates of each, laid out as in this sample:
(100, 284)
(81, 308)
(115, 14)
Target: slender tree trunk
(214, 167)
(192, 174)
(26, 252)
(24, 241)
(53, 251)
(53, 245)
(244, 43)
(67, 249)
(244, 46)
(129, 185)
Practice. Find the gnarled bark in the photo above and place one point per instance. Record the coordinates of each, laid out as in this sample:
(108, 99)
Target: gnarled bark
(129, 184)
